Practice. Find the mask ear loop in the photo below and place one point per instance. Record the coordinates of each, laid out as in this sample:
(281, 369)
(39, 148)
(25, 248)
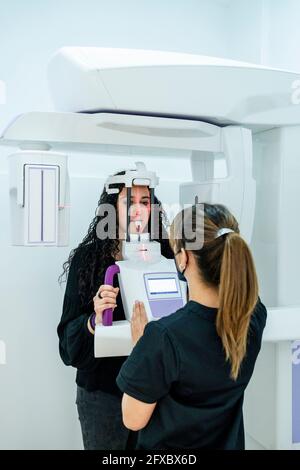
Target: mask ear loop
(180, 266)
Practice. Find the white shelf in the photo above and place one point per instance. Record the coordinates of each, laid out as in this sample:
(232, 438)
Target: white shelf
(283, 324)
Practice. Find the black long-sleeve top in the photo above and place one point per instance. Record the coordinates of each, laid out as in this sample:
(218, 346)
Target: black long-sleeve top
(76, 343)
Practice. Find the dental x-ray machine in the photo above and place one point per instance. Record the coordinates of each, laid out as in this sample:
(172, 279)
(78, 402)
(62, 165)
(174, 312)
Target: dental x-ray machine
(143, 271)
(214, 114)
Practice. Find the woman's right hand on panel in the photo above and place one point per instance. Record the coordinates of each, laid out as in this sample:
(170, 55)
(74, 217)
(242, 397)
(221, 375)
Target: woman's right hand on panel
(105, 298)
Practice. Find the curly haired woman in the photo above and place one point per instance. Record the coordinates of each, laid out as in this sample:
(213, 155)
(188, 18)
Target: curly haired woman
(98, 397)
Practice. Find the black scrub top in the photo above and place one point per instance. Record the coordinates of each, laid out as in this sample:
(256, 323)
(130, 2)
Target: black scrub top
(179, 362)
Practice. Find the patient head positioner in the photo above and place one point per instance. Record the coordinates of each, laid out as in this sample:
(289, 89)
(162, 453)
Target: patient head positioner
(140, 176)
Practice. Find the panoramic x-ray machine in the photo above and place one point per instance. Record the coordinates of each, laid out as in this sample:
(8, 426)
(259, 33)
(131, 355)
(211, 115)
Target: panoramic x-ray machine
(238, 127)
(143, 270)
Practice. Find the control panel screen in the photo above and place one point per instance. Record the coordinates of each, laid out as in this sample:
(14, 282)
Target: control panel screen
(162, 286)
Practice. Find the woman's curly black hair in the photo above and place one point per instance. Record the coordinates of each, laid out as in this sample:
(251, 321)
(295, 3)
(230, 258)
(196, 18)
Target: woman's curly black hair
(95, 255)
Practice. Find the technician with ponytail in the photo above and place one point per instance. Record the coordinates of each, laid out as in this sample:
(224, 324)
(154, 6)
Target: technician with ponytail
(185, 379)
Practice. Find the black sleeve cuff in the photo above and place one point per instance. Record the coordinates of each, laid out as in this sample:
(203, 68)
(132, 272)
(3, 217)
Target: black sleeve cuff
(125, 388)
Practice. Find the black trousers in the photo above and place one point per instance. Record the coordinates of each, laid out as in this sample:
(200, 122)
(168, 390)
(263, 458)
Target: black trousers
(100, 417)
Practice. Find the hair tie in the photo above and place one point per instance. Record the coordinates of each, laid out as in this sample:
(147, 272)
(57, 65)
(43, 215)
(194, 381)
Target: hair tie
(223, 231)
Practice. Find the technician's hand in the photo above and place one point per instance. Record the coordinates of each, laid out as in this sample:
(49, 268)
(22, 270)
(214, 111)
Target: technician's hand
(104, 298)
(139, 320)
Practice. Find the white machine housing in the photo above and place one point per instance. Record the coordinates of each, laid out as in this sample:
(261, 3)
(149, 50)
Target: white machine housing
(160, 102)
(39, 198)
(205, 142)
(144, 275)
(134, 279)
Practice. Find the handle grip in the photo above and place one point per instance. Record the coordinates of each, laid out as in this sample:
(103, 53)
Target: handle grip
(111, 271)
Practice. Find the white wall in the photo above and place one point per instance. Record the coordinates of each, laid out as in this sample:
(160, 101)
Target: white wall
(31, 31)
(245, 30)
(264, 31)
(282, 34)
(37, 392)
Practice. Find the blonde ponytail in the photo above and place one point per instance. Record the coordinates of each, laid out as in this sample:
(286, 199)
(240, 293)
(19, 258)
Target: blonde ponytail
(238, 294)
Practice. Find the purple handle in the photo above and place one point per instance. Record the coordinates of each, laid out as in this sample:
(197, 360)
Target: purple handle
(107, 318)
